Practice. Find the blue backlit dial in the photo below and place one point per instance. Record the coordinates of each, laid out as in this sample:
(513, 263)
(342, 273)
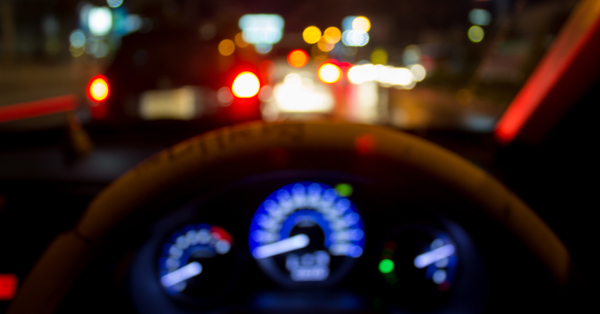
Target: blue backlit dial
(306, 234)
(196, 262)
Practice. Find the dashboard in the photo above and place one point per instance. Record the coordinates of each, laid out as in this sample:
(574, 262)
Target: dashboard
(316, 217)
(334, 243)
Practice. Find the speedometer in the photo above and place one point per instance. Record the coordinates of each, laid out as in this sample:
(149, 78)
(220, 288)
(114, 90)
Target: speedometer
(306, 234)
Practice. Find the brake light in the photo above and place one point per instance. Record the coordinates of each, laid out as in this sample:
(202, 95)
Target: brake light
(98, 89)
(245, 85)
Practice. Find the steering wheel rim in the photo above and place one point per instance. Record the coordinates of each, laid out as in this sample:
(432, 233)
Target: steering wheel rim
(277, 146)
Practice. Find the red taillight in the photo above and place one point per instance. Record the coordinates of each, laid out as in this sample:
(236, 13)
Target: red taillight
(245, 85)
(8, 286)
(98, 89)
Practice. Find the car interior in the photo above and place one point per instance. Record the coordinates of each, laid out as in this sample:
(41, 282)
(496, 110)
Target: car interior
(191, 156)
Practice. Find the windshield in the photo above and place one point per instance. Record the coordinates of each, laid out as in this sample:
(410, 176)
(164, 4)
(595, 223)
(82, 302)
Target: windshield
(419, 64)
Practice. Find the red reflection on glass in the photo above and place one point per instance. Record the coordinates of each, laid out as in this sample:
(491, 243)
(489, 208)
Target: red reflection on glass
(8, 286)
(364, 144)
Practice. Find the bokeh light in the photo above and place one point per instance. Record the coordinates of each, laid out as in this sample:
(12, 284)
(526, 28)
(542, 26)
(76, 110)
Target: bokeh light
(476, 33)
(77, 38)
(355, 75)
(354, 38)
(347, 22)
(324, 45)
(297, 58)
(226, 47)
(102, 50)
(98, 89)
(411, 55)
(388, 76)
(76, 52)
(245, 85)
(329, 73)
(239, 41)
(261, 28)
(311, 34)
(480, 17)
(114, 3)
(386, 266)
(298, 93)
(224, 96)
(361, 23)
(344, 189)
(379, 56)
(418, 72)
(332, 35)
(100, 21)
(266, 93)
(263, 48)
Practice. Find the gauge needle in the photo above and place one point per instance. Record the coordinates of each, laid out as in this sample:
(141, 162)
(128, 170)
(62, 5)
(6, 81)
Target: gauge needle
(186, 272)
(286, 245)
(433, 256)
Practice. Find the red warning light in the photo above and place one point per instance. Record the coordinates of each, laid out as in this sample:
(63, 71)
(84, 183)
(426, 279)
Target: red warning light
(98, 89)
(8, 286)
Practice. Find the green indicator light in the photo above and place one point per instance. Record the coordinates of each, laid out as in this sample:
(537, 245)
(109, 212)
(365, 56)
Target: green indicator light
(386, 266)
(344, 189)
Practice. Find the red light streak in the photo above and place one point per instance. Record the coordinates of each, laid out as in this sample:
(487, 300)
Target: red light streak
(564, 74)
(38, 108)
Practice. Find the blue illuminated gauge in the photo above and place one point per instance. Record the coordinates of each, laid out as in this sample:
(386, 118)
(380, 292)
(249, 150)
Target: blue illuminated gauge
(196, 263)
(306, 234)
(420, 264)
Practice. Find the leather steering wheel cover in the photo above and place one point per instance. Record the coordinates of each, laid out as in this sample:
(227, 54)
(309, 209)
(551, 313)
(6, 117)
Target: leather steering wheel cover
(214, 152)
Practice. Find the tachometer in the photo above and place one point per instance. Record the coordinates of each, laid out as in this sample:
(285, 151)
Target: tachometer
(306, 234)
(420, 263)
(196, 263)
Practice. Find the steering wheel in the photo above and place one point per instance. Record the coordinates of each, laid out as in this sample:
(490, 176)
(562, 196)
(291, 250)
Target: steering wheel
(230, 153)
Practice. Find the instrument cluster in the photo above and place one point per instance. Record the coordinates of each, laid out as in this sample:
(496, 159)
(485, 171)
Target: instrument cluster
(306, 242)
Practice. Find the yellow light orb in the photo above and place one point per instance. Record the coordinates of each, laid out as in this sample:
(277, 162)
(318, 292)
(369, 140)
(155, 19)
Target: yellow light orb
(332, 35)
(476, 33)
(361, 23)
(226, 47)
(330, 73)
(379, 56)
(245, 85)
(311, 34)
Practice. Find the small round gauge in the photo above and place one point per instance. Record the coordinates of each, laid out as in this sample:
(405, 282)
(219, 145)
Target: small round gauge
(196, 263)
(306, 234)
(419, 263)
